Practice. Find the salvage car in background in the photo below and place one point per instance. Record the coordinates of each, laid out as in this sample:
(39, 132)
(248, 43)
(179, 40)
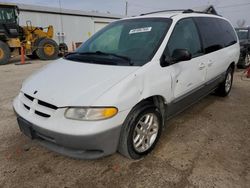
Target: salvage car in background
(244, 37)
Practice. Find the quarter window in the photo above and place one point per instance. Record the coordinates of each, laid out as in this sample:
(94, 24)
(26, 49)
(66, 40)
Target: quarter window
(228, 35)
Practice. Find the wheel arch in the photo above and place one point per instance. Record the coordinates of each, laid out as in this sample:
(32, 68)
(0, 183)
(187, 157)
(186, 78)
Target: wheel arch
(157, 100)
(232, 65)
(124, 146)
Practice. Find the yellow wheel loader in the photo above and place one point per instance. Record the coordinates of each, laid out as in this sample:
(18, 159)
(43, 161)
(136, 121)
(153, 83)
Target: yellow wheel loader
(36, 41)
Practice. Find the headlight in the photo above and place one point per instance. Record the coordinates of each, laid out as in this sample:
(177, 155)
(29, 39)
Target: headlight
(91, 113)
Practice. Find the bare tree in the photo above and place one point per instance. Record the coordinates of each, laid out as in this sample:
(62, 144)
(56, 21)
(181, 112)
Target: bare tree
(241, 22)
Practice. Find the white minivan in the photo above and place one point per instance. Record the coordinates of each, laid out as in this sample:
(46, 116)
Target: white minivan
(115, 92)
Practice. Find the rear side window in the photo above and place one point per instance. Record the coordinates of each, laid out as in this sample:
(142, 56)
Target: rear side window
(185, 36)
(216, 33)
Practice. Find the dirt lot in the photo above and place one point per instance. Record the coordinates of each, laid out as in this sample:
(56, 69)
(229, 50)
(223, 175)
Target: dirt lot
(208, 145)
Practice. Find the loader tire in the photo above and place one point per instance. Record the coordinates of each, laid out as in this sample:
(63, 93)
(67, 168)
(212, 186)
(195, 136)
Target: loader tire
(63, 49)
(4, 53)
(35, 47)
(47, 49)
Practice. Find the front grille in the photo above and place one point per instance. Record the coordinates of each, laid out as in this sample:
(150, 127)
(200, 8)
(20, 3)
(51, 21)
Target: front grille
(28, 108)
(29, 97)
(42, 114)
(38, 107)
(47, 105)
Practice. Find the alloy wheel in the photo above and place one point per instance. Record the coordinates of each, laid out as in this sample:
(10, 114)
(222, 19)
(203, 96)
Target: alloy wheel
(145, 132)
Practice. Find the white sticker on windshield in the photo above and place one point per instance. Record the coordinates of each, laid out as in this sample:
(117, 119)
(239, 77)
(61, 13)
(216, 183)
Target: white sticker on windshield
(140, 30)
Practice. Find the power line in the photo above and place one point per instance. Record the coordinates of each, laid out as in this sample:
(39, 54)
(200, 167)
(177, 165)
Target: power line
(143, 6)
(159, 8)
(234, 5)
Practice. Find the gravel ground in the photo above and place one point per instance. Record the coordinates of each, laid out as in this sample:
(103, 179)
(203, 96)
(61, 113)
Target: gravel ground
(208, 145)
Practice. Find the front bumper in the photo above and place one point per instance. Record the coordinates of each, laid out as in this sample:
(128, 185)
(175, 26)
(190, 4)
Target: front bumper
(77, 139)
(81, 147)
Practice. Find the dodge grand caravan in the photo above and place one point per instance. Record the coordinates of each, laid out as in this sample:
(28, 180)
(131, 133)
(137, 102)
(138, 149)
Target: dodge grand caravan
(115, 91)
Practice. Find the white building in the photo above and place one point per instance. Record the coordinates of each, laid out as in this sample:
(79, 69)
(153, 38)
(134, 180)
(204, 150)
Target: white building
(70, 26)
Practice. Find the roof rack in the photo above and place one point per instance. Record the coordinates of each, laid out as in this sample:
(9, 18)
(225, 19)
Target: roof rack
(160, 11)
(207, 10)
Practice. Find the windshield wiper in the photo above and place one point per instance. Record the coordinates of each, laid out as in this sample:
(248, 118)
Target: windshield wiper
(127, 59)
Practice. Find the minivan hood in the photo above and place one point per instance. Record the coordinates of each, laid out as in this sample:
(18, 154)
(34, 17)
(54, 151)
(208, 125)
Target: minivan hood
(67, 83)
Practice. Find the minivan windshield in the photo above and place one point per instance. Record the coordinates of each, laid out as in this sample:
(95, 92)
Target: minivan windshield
(242, 34)
(127, 42)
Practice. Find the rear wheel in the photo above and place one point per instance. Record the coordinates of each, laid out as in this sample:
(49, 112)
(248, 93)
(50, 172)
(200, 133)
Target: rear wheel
(225, 87)
(63, 49)
(4, 53)
(141, 131)
(246, 61)
(47, 49)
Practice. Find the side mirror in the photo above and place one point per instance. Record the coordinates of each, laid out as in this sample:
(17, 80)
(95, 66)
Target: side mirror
(181, 55)
(165, 60)
(178, 55)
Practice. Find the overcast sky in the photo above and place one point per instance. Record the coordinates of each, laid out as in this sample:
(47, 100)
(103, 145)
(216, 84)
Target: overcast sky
(231, 9)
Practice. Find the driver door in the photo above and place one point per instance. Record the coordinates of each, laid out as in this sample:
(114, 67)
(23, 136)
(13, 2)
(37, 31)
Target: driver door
(187, 76)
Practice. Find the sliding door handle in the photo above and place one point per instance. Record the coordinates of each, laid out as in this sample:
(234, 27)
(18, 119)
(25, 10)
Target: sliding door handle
(202, 66)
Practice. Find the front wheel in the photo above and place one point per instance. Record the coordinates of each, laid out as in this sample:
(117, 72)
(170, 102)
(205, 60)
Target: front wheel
(225, 87)
(141, 131)
(4, 53)
(47, 49)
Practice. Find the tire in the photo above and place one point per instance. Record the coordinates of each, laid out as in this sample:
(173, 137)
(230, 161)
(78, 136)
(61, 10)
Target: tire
(225, 87)
(246, 62)
(47, 49)
(63, 49)
(35, 47)
(131, 142)
(4, 53)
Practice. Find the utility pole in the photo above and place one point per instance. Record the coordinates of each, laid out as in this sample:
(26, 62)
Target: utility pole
(126, 9)
(61, 19)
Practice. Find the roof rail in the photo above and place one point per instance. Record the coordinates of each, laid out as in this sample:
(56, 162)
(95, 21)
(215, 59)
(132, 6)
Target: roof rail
(208, 10)
(160, 11)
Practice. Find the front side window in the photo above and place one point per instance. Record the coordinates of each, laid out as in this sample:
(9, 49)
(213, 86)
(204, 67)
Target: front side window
(185, 36)
(134, 40)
